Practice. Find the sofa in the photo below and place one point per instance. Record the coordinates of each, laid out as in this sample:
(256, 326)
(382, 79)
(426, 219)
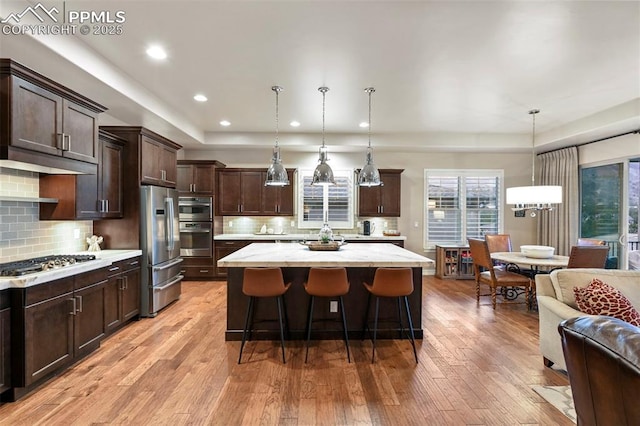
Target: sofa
(603, 364)
(556, 302)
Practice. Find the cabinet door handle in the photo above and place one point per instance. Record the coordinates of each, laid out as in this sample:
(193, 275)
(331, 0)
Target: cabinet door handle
(381, 209)
(126, 283)
(73, 309)
(106, 203)
(135, 262)
(68, 147)
(115, 268)
(80, 304)
(204, 271)
(60, 141)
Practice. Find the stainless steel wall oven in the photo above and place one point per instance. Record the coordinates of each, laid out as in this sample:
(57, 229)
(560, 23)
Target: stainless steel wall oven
(196, 239)
(195, 209)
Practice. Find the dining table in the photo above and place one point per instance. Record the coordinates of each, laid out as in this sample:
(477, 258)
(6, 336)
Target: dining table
(536, 264)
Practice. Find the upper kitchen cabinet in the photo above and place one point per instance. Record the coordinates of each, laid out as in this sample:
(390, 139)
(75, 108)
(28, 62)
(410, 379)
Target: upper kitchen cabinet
(384, 200)
(154, 156)
(85, 197)
(197, 176)
(278, 200)
(45, 124)
(239, 192)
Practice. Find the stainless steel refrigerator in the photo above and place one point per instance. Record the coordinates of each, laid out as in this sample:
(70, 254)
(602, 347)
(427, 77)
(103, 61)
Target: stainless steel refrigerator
(160, 244)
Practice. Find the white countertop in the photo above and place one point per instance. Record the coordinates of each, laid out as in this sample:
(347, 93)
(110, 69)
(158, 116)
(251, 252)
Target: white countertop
(361, 255)
(103, 258)
(308, 237)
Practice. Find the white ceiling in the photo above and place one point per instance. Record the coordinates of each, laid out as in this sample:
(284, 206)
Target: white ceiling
(471, 68)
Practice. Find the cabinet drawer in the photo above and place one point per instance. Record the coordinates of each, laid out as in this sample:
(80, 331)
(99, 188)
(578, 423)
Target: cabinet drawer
(91, 277)
(39, 293)
(197, 272)
(123, 266)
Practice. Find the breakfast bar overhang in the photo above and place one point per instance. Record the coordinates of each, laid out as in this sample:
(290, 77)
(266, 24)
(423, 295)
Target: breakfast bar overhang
(361, 261)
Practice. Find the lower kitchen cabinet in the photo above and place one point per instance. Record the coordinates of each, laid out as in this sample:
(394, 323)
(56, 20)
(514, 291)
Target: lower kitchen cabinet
(224, 248)
(122, 294)
(5, 341)
(198, 268)
(53, 325)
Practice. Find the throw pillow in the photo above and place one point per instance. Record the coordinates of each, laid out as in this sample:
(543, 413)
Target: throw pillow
(599, 298)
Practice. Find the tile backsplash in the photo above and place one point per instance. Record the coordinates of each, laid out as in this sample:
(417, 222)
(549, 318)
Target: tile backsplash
(253, 224)
(22, 233)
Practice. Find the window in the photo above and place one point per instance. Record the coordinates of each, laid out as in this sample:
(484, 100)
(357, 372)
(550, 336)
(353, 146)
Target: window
(460, 204)
(333, 202)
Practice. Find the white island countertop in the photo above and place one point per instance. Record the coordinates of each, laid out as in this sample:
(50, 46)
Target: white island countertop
(361, 255)
(103, 258)
(307, 237)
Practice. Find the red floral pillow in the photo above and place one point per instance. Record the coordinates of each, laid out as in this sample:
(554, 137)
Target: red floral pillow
(599, 298)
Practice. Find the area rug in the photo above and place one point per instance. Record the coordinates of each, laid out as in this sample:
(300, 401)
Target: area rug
(560, 397)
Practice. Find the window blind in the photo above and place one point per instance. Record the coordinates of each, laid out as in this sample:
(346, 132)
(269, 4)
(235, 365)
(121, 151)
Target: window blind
(331, 202)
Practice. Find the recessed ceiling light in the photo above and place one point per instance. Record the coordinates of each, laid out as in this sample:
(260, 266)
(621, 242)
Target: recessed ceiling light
(157, 52)
(364, 124)
(295, 124)
(225, 123)
(200, 97)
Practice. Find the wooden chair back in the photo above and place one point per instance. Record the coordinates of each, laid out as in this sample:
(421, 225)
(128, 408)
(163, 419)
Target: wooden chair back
(588, 257)
(498, 242)
(480, 253)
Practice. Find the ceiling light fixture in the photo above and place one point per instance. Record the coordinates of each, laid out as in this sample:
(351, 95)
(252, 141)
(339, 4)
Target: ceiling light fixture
(534, 198)
(225, 123)
(369, 175)
(323, 175)
(156, 52)
(200, 97)
(276, 173)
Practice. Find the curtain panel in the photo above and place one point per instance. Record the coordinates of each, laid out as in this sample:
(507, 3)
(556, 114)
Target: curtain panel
(559, 227)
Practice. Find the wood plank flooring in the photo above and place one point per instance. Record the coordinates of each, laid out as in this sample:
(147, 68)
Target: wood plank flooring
(476, 367)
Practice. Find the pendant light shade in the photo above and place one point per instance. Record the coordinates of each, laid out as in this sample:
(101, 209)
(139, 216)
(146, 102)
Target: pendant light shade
(323, 175)
(535, 197)
(369, 175)
(276, 173)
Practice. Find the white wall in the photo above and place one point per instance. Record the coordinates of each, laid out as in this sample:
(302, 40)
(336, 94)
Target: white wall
(517, 171)
(627, 146)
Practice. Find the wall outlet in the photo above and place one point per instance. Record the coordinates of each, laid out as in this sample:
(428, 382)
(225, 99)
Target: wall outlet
(333, 306)
(415, 224)
(293, 223)
(358, 224)
(76, 233)
(519, 213)
(230, 224)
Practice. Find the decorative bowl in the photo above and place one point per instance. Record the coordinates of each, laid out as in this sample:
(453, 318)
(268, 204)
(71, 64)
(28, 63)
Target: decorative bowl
(320, 246)
(538, 252)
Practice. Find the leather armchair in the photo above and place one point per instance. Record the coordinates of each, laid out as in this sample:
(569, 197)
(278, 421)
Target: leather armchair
(603, 363)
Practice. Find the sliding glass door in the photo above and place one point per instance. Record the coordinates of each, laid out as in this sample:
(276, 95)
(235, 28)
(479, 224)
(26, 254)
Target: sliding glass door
(609, 209)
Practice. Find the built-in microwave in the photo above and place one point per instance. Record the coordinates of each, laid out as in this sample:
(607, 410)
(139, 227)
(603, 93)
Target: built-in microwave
(195, 209)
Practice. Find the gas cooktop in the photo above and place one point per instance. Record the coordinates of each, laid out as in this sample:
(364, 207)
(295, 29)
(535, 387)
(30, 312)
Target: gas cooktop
(39, 264)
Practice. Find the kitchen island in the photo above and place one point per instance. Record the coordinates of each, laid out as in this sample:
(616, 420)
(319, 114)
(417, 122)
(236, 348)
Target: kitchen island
(361, 261)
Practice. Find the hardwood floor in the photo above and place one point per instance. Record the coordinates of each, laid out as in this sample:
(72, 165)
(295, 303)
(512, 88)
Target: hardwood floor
(476, 367)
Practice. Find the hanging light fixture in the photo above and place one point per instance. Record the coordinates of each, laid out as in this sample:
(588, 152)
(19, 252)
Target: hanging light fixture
(369, 175)
(535, 197)
(276, 173)
(323, 175)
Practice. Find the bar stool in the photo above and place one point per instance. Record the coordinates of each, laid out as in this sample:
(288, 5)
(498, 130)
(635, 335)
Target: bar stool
(327, 282)
(263, 282)
(391, 282)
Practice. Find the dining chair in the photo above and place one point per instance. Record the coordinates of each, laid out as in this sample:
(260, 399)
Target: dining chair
(502, 243)
(262, 283)
(485, 273)
(588, 257)
(393, 283)
(327, 282)
(591, 242)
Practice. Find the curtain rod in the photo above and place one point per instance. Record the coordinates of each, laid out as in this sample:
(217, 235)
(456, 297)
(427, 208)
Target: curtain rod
(594, 141)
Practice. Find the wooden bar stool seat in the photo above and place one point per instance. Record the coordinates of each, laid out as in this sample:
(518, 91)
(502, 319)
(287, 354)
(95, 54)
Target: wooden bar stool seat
(327, 282)
(396, 283)
(263, 282)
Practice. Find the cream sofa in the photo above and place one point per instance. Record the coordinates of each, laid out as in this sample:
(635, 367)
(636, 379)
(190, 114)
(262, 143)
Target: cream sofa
(557, 303)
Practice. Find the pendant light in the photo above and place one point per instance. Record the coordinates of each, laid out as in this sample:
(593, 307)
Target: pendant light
(276, 173)
(535, 197)
(369, 175)
(323, 175)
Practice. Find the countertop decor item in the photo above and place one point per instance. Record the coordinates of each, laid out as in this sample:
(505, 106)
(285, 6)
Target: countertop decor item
(369, 175)
(94, 242)
(320, 246)
(276, 173)
(534, 197)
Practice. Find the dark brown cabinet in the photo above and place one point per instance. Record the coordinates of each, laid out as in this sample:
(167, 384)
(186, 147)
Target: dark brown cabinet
(44, 123)
(224, 248)
(122, 294)
(159, 163)
(60, 321)
(85, 197)
(198, 268)
(384, 200)
(5, 341)
(197, 176)
(278, 200)
(241, 192)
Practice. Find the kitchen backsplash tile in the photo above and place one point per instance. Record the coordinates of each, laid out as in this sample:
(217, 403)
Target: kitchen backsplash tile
(253, 224)
(22, 234)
